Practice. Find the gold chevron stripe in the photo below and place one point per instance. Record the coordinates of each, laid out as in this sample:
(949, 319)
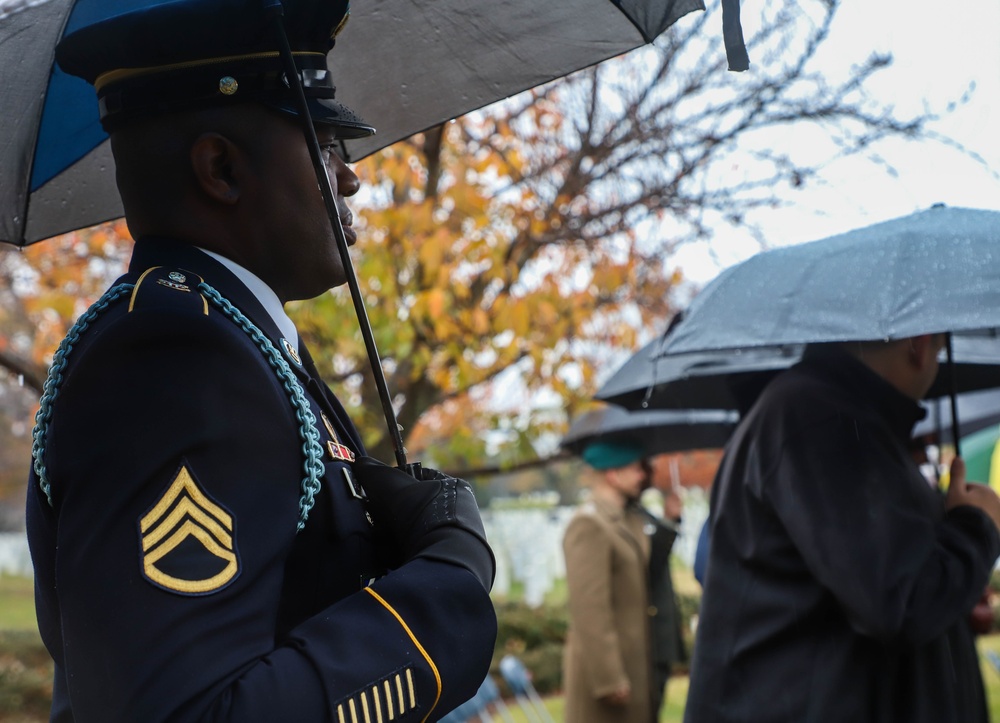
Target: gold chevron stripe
(194, 515)
(183, 482)
(187, 508)
(174, 583)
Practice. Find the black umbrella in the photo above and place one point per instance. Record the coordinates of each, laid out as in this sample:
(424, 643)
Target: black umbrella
(732, 378)
(659, 432)
(728, 379)
(929, 272)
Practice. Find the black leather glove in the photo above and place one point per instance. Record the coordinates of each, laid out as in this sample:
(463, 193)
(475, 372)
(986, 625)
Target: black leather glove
(435, 517)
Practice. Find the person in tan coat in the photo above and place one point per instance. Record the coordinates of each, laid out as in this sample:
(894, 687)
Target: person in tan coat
(607, 664)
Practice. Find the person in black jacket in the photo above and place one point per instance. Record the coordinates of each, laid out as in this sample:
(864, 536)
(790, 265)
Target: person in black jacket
(839, 582)
(210, 542)
(665, 617)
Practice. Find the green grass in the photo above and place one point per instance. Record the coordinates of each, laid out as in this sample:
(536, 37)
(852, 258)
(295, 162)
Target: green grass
(25, 666)
(991, 677)
(673, 709)
(26, 671)
(677, 689)
(17, 603)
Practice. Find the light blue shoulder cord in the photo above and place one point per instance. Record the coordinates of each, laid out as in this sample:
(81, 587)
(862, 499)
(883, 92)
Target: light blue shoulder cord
(311, 448)
(50, 390)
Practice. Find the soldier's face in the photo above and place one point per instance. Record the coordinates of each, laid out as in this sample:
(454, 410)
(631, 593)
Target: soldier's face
(307, 261)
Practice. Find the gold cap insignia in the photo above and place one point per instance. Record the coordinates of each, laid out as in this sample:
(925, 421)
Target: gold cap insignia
(188, 541)
(228, 85)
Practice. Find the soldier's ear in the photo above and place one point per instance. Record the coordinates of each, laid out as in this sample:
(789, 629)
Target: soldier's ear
(215, 161)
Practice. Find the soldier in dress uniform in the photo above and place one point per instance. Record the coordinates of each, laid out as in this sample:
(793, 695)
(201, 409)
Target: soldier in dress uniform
(210, 541)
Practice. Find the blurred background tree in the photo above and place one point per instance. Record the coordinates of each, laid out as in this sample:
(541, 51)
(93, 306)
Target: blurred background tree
(42, 291)
(507, 252)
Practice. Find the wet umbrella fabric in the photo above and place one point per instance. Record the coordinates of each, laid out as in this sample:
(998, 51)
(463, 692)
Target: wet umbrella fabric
(932, 271)
(732, 379)
(659, 432)
(728, 379)
(405, 66)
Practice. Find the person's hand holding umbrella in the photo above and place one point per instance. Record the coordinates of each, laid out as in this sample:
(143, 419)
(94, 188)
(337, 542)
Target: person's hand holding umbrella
(985, 498)
(975, 495)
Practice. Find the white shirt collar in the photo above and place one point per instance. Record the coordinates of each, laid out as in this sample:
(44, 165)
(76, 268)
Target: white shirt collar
(265, 295)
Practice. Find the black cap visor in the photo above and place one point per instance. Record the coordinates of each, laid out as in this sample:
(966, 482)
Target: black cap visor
(348, 125)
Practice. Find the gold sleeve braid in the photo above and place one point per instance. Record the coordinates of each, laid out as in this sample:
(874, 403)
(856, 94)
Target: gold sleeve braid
(423, 652)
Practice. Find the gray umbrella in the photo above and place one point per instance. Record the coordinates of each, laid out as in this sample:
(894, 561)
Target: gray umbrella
(659, 432)
(405, 66)
(933, 271)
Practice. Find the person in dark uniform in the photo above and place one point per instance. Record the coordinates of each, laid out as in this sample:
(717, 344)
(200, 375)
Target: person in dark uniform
(210, 541)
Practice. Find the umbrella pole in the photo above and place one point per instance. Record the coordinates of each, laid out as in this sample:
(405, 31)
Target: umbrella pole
(953, 394)
(276, 11)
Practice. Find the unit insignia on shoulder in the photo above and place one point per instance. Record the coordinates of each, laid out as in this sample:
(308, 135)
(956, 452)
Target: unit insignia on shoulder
(159, 286)
(175, 280)
(187, 541)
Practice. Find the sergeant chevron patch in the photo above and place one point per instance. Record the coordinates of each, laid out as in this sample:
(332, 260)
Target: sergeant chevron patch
(188, 542)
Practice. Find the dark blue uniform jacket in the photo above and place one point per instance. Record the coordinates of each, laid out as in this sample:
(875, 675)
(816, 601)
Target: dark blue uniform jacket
(171, 581)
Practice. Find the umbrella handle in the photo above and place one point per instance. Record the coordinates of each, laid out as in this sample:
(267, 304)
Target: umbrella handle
(953, 394)
(274, 9)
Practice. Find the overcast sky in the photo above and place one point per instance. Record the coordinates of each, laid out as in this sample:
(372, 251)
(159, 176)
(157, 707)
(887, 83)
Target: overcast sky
(939, 49)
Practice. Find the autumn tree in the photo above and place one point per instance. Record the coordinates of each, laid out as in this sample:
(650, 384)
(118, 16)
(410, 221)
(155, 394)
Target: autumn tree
(523, 241)
(42, 291)
(44, 288)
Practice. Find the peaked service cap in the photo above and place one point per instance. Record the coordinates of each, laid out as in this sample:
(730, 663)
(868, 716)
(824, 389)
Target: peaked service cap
(195, 53)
